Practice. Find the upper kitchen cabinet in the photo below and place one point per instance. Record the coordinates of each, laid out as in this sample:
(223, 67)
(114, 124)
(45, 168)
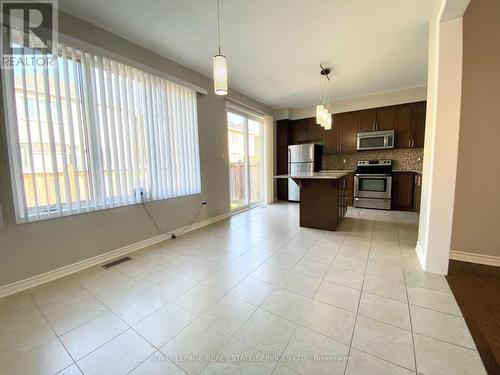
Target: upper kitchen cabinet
(314, 131)
(350, 126)
(282, 132)
(406, 125)
(383, 118)
(419, 135)
(408, 121)
(304, 130)
(282, 127)
(297, 131)
(410, 125)
(331, 138)
(367, 120)
(386, 118)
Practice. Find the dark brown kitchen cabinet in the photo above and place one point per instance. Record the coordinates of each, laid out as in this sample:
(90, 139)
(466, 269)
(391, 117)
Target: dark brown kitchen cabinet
(383, 118)
(314, 131)
(282, 132)
(386, 118)
(417, 192)
(367, 120)
(342, 187)
(297, 131)
(349, 124)
(331, 138)
(402, 191)
(419, 133)
(282, 189)
(282, 127)
(350, 189)
(406, 125)
(410, 125)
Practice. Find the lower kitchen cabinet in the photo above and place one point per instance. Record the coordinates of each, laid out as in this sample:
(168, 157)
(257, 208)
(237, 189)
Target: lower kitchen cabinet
(417, 192)
(282, 189)
(342, 186)
(350, 189)
(402, 191)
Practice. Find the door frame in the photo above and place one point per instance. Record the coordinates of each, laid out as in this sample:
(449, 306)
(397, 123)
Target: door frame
(246, 114)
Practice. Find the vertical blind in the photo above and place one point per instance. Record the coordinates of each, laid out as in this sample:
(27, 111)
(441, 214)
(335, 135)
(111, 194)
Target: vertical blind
(91, 133)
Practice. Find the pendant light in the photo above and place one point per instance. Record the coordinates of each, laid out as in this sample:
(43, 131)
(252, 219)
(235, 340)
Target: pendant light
(319, 113)
(328, 125)
(320, 107)
(220, 64)
(323, 116)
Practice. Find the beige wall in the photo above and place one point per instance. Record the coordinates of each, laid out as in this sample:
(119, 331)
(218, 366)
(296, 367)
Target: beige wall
(30, 249)
(477, 201)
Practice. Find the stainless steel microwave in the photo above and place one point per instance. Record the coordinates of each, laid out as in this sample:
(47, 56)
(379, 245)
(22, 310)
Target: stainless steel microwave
(378, 140)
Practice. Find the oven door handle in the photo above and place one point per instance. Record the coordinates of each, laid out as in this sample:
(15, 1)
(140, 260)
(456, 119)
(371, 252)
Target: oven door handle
(372, 175)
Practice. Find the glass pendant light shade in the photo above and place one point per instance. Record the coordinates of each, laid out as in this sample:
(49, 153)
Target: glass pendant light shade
(319, 113)
(220, 75)
(328, 124)
(325, 116)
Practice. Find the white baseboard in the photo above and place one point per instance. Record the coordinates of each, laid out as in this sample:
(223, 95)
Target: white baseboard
(464, 256)
(33, 281)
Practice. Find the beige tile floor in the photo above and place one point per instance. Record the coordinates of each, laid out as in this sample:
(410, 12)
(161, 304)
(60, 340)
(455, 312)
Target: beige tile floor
(255, 294)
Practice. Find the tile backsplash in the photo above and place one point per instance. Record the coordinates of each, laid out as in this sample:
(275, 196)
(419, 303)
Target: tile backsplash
(403, 159)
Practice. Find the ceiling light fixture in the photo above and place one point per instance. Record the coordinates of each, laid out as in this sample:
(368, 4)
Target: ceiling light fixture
(323, 115)
(220, 64)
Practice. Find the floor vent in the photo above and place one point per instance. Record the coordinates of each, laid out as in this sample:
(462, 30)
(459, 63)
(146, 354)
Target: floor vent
(116, 262)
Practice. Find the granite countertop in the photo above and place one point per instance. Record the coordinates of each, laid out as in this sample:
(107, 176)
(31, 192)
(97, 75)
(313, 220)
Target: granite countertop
(316, 175)
(337, 171)
(407, 170)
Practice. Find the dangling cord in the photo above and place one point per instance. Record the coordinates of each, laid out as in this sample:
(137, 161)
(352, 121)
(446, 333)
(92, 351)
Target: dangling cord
(218, 24)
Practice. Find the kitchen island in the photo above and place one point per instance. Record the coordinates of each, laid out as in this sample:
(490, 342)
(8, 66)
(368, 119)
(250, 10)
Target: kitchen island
(323, 200)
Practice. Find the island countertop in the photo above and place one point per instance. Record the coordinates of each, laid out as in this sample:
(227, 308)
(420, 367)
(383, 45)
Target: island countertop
(316, 175)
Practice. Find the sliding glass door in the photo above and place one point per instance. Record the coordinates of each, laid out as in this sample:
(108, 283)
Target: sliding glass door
(246, 159)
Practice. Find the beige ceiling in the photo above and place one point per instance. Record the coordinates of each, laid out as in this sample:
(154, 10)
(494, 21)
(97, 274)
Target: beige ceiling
(274, 47)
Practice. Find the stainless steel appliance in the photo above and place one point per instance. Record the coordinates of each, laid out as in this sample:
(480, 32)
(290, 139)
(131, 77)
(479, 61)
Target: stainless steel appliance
(373, 184)
(378, 140)
(302, 159)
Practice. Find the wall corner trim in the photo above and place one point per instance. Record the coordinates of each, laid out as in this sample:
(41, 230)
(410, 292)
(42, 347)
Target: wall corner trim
(488, 260)
(19, 286)
(420, 254)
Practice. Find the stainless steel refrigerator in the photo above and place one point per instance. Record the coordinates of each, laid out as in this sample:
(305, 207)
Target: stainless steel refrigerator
(302, 159)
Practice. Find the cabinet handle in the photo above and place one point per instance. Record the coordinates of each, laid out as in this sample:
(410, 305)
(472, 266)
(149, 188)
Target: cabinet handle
(412, 143)
(409, 142)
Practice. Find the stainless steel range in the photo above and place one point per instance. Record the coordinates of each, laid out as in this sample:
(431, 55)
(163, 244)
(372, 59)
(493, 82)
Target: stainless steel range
(372, 184)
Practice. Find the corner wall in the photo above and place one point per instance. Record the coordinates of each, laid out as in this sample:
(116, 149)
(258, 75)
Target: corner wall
(477, 200)
(31, 249)
(441, 140)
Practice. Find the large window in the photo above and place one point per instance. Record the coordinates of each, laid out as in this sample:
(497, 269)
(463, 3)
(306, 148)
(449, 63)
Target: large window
(91, 133)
